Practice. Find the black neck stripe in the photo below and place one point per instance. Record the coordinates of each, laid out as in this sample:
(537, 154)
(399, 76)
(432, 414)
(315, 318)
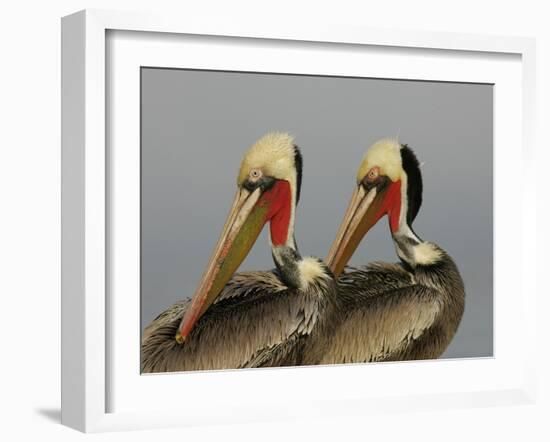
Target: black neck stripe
(298, 164)
(411, 167)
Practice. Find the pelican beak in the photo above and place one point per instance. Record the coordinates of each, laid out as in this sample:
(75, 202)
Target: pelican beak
(244, 223)
(363, 212)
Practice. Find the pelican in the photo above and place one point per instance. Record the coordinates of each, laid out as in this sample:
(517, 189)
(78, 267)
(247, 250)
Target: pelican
(392, 312)
(251, 319)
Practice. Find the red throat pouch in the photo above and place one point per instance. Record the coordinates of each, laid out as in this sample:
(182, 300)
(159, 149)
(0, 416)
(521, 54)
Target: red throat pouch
(279, 202)
(392, 205)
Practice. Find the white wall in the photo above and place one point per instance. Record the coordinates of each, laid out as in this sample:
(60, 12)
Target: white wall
(30, 221)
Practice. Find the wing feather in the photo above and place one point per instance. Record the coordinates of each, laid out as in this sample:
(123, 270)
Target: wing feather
(385, 309)
(256, 321)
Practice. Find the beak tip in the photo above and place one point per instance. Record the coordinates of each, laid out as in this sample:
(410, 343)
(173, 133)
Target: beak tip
(180, 339)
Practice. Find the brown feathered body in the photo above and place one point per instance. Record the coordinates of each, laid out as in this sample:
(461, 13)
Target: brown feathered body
(257, 321)
(392, 312)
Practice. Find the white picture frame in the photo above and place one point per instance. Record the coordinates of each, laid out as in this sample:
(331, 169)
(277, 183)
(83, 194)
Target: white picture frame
(90, 325)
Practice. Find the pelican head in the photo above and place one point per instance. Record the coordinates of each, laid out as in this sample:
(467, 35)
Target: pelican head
(389, 183)
(268, 188)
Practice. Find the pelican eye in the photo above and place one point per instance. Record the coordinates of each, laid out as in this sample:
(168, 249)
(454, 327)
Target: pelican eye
(373, 174)
(255, 174)
(374, 178)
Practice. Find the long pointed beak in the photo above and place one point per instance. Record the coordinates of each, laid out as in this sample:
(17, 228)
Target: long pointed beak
(244, 223)
(363, 212)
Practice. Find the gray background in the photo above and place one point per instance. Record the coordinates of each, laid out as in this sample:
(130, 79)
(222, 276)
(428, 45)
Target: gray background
(196, 126)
